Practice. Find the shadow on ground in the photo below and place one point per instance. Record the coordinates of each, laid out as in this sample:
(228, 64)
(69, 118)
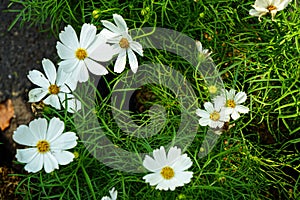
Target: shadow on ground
(22, 49)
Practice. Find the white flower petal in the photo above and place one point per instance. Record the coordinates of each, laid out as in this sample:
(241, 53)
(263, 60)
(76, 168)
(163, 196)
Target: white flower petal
(65, 81)
(242, 109)
(38, 79)
(133, 62)
(95, 68)
(283, 4)
(127, 36)
(215, 124)
(65, 141)
(235, 115)
(108, 34)
(137, 47)
(69, 65)
(199, 46)
(36, 164)
(69, 38)
(204, 121)
(103, 53)
(113, 193)
(240, 97)
(184, 177)
(261, 9)
(26, 155)
(151, 165)
(254, 12)
(87, 35)
(262, 3)
(209, 107)
(110, 26)
(173, 155)
(55, 129)
(38, 127)
(224, 114)
(35, 95)
(153, 178)
(120, 22)
(116, 48)
(120, 62)
(81, 73)
(115, 40)
(64, 52)
(183, 163)
(219, 103)
(63, 157)
(202, 113)
(98, 41)
(24, 136)
(160, 156)
(50, 70)
(165, 185)
(230, 94)
(50, 163)
(53, 101)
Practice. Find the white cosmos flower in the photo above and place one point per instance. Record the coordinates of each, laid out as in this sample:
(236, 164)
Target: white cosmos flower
(48, 145)
(202, 51)
(57, 85)
(81, 56)
(113, 195)
(168, 170)
(233, 102)
(262, 7)
(215, 114)
(122, 43)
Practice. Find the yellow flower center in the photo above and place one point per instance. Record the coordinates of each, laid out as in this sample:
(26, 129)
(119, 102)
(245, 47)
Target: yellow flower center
(43, 146)
(212, 89)
(124, 43)
(167, 172)
(53, 89)
(271, 7)
(81, 54)
(230, 103)
(215, 116)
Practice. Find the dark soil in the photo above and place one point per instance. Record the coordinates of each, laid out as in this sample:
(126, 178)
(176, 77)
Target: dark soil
(21, 50)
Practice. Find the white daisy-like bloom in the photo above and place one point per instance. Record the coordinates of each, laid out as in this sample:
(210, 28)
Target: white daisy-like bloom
(202, 51)
(169, 171)
(214, 115)
(113, 195)
(262, 7)
(48, 145)
(234, 101)
(84, 55)
(122, 42)
(57, 86)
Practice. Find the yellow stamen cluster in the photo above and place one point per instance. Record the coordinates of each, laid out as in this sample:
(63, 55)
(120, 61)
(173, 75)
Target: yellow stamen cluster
(53, 89)
(271, 7)
(124, 43)
(212, 89)
(215, 116)
(230, 103)
(167, 172)
(81, 54)
(43, 146)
